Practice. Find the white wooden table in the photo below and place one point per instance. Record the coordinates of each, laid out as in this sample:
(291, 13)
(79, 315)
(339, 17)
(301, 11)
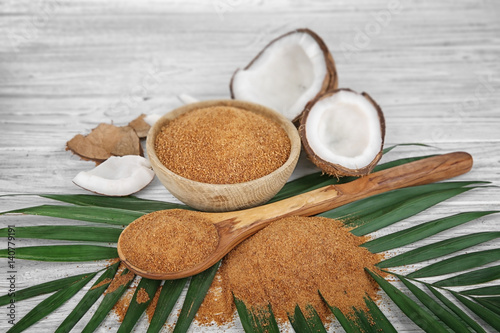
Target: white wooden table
(66, 66)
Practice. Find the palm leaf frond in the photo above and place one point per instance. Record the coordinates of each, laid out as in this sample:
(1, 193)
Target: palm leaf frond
(303, 184)
(365, 320)
(348, 323)
(43, 288)
(316, 180)
(492, 303)
(170, 292)
(198, 288)
(438, 249)
(458, 263)
(380, 321)
(364, 210)
(64, 253)
(475, 277)
(447, 317)
(309, 324)
(67, 232)
(49, 305)
(483, 291)
(410, 308)
(137, 308)
(260, 320)
(486, 314)
(88, 299)
(388, 149)
(453, 307)
(106, 305)
(421, 231)
(406, 209)
(127, 203)
(82, 213)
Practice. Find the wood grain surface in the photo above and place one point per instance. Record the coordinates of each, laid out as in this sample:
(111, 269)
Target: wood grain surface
(66, 66)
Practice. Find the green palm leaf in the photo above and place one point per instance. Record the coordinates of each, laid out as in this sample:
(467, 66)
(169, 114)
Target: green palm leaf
(459, 312)
(419, 232)
(83, 213)
(442, 313)
(380, 321)
(256, 320)
(483, 291)
(363, 322)
(67, 232)
(49, 305)
(355, 213)
(302, 185)
(43, 288)
(195, 295)
(170, 292)
(106, 305)
(475, 277)
(310, 324)
(438, 249)
(127, 203)
(316, 180)
(88, 300)
(388, 149)
(411, 309)
(136, 309)
(64, 253)
(486, 314)
(406, 209)
(492, 303)
(458, 263)
(347, 323)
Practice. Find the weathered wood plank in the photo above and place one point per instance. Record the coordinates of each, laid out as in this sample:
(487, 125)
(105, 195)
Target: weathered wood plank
(66, 66)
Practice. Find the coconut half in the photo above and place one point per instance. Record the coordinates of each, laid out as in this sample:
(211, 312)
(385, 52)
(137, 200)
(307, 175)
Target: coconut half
(117, 176)
(288, 73)
(343, 133)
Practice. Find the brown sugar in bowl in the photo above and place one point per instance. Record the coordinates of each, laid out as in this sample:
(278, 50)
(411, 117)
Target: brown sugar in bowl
(224, 197)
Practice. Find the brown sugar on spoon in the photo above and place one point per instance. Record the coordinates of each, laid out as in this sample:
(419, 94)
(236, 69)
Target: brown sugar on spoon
(168, 241)
(222, 145)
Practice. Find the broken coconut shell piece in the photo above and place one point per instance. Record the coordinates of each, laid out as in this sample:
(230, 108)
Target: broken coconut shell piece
(343, 133)
(140, 126)
(105, 141)
(117, 176)
(288, 73)
(143, 123)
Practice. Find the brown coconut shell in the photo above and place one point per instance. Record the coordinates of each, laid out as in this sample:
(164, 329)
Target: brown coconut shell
(104, 141)
(336, 169)
(330, 81)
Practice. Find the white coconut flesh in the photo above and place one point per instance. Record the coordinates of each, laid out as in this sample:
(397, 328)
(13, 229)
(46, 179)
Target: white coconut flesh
(117, 176)
(344, 129)
(151, 119)
(288, 74)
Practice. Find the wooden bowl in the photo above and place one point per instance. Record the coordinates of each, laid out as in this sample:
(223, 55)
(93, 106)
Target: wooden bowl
(224, 197)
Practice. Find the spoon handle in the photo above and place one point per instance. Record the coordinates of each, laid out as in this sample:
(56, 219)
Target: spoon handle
(424, 171)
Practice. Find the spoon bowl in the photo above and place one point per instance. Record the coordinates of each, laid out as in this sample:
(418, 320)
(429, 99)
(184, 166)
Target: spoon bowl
(234, 227)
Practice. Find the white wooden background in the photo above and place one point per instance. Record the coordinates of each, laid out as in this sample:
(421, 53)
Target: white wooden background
(66, 66)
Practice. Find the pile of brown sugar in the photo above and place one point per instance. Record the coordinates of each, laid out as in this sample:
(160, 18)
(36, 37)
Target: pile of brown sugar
(150, 310)
(222, 145)
(168, 240)
(286, 264)
(142, 296)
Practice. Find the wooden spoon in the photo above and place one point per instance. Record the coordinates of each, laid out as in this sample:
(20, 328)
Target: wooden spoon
(234, 227)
